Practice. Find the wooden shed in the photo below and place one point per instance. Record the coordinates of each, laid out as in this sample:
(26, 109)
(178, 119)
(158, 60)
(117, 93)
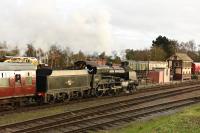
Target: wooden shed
(180, 65)
(161, 75)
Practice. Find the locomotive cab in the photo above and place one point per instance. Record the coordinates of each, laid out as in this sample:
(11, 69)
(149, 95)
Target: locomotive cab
(41, 80)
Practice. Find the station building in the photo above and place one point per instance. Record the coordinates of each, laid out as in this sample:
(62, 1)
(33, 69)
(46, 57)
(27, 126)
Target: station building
(180, 65)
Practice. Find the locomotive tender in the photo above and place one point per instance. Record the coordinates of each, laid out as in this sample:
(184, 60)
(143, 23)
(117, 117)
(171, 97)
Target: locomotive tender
(62, 84)
(24, 83)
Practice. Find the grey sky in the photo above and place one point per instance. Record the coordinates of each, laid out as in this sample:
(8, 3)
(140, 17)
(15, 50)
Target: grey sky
(98, 25)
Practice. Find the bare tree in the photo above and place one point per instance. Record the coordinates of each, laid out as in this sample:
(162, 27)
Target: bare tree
(3, 48)
(54, 56)
(31, 51)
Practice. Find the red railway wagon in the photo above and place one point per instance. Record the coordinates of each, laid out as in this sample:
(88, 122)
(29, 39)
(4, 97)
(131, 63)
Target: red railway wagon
(196, 68)
(17, 82)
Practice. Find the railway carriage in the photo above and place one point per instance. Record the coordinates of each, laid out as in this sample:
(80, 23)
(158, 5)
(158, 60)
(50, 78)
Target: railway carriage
(143, 67)
(17, 82)
(195, 70)
(146, 65)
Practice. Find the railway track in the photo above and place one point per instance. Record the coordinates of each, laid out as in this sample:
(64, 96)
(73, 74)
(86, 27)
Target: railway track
(102, 116)
(10, 110)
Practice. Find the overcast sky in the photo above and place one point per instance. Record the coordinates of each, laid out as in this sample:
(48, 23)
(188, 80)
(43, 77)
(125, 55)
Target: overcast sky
(98, 25)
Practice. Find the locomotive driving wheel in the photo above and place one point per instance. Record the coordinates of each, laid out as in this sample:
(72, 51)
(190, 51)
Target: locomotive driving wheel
(65, 97)
(100, 90)
(131, 88)
(114, 91)
(51, 99)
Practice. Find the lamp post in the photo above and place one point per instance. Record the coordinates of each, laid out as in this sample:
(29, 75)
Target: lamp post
(148, 62)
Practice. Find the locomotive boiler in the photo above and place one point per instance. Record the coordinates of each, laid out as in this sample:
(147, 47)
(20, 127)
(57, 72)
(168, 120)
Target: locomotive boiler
(114, 79)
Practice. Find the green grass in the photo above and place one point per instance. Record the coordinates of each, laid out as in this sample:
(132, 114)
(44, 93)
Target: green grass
(185, 121)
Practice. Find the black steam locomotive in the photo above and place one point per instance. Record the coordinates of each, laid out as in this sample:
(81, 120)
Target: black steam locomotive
(82, 80)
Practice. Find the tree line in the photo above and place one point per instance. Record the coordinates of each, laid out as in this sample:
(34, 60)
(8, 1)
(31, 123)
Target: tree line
(162, 48)
(56, 57)
(60, 58)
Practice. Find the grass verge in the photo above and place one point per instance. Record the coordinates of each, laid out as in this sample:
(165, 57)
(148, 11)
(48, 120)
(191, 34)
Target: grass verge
(184, 121)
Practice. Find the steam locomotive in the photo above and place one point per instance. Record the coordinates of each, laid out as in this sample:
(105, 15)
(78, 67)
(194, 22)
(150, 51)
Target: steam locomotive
(21, 83)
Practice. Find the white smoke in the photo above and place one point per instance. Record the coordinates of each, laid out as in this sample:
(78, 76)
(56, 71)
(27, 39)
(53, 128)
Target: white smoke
(90, 31)
(44, 23)
(104, 30)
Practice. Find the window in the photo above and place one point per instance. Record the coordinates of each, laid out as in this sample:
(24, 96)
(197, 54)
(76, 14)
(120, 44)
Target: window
(17, 78)
(4, 82)
(178, 71)
(28, 80)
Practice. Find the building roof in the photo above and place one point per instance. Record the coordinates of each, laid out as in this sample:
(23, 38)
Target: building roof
(180, 56)
(4, 66)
